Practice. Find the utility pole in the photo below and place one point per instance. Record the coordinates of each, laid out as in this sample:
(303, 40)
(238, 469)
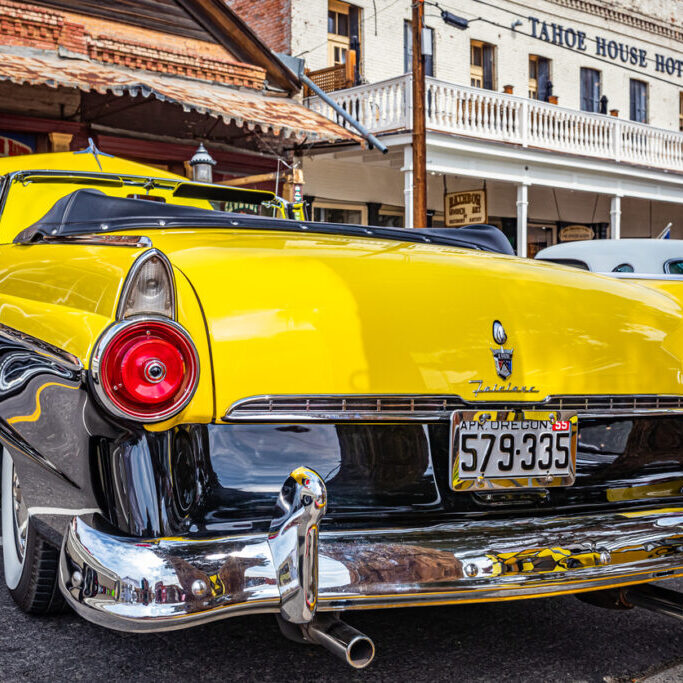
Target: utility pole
(419, 121)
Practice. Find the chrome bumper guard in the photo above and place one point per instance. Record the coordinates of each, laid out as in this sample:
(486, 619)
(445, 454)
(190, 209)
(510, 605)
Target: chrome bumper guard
(160, 584)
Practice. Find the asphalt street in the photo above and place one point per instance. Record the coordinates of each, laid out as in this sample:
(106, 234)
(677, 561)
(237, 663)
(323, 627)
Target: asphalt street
(558, 639)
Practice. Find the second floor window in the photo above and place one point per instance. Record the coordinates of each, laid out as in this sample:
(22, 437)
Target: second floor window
(539, 78)
(337, 32)
(590, 90)
(408, 49)
(482, 65)
(638, 97)
(680, 112)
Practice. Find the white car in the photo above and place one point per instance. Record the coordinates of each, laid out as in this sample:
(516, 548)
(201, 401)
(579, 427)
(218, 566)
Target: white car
(647, 256)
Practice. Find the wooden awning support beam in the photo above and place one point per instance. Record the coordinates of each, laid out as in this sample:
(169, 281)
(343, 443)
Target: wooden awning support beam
(249, 179)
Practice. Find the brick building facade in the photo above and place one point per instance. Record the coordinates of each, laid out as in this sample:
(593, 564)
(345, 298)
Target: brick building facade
(271, 19)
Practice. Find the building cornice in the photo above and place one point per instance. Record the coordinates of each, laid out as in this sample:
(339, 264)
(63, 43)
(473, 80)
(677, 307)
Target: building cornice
(623, 16)
(31, 26)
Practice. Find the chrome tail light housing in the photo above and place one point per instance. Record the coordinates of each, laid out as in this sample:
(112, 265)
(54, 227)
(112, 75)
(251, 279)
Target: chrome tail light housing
(145, 366)
(145, 369)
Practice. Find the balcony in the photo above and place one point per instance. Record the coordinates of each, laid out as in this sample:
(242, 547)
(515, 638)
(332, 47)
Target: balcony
(334, 77)
(386, 106)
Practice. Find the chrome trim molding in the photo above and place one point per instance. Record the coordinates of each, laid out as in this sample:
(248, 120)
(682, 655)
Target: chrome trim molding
(131, 280)
(645, 276)
(137, 241)
(156, 584)
(399, 407)
(96, 358)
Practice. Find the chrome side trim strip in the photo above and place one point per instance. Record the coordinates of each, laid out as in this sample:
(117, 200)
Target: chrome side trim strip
(400, 407)
(137, 241)
(158, 584)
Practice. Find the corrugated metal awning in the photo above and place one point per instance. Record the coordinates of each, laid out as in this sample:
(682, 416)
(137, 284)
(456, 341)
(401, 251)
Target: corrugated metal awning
(276, 115)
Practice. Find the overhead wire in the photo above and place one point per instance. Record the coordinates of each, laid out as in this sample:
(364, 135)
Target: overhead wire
(527, 17)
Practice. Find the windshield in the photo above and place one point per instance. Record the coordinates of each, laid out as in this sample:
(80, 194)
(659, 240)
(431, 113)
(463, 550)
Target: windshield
(28, 195)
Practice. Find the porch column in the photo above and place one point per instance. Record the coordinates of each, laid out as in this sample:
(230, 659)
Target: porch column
(408, 186)
(615, 218)
(522, 214)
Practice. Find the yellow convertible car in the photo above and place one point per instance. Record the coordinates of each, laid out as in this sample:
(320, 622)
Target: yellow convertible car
(206, 413)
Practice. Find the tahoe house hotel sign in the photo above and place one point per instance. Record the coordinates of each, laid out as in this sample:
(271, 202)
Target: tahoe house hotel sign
(606, 49)
(465, 208)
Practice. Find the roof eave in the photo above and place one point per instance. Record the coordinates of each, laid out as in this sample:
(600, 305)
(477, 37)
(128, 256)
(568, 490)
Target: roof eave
(235, 35)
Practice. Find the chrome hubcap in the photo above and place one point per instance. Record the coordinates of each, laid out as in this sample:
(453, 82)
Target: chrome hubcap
(20, 516)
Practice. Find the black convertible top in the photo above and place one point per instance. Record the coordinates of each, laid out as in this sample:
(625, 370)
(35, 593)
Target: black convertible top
(88, 211)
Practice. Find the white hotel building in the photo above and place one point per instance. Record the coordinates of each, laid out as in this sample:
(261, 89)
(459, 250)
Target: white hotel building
(568, 113)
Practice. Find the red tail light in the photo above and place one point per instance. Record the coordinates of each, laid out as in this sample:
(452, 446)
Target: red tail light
(145, 370)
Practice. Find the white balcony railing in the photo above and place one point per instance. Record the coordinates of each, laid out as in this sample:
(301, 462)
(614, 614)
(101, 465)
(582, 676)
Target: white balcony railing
(387, 106)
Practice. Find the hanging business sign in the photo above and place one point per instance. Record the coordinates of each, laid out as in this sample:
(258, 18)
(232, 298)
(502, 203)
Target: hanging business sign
(464, 208)
(574, 233)
(615, 51)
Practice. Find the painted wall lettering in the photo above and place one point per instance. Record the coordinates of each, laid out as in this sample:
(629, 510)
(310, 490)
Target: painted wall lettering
(616, 51)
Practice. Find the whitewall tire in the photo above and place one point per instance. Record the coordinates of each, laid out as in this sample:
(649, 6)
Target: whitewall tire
(30, 563)
(12, 555)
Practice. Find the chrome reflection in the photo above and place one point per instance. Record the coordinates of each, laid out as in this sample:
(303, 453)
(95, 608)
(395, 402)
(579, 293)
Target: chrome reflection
(293, 542)
(18, 367)
(165, 583)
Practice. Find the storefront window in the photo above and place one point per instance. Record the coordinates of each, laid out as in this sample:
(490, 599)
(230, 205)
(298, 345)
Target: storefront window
(390, 219)
(540, 236)
(339, 213)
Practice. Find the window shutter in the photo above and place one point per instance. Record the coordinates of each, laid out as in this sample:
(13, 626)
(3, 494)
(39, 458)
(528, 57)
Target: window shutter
(407, 47)
(590, 90)
(638, 97)
(354, 39)
(633, 114)
(429, 59)
(543, 78)
(595, 77)
(487, 67)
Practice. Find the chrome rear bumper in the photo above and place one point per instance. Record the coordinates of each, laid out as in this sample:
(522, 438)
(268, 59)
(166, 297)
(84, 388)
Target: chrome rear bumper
(168, 583)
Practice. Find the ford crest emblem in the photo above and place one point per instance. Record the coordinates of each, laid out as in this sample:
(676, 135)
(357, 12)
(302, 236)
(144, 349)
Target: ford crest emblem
(501, 356)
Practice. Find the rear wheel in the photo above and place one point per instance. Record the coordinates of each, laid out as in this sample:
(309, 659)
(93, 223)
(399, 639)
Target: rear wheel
(30, 563)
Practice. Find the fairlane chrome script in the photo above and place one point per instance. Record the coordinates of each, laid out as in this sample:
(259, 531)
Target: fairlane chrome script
(508, 388)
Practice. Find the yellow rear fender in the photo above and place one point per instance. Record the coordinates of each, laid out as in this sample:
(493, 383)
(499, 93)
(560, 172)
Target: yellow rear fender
(66, 296)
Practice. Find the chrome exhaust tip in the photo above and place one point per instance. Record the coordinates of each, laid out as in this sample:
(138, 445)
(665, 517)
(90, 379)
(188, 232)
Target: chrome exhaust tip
(330, 632)
(654, 598)
(342, 640)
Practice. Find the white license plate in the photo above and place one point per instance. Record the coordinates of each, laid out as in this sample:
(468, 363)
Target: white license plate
(505, 449)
